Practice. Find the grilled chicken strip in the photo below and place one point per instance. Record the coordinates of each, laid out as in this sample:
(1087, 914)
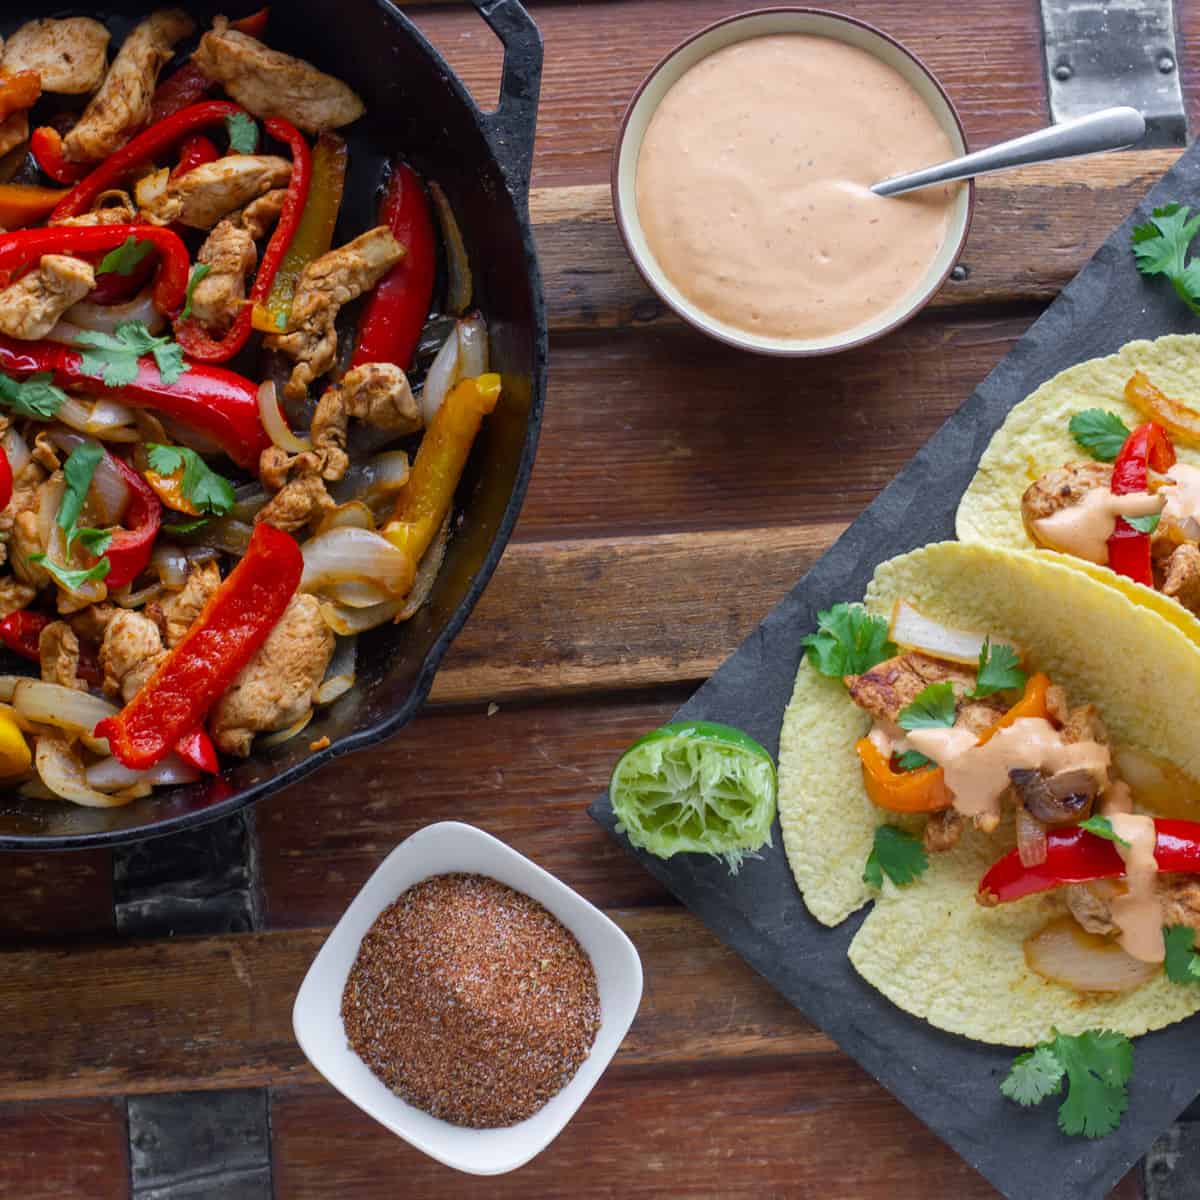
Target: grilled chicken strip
(895, 683)
(1091, 903)
(213, 190)
(1061, 488)
(31, 307)
(58, 650)
(130, 653)
(377, 393)
(272, 84)
(70, 55)
(122, 105)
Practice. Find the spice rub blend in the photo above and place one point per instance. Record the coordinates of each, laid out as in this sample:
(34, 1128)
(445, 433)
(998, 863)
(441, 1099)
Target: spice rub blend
(471, 1001)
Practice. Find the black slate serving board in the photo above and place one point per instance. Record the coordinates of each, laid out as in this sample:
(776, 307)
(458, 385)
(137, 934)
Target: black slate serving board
(951, 1083)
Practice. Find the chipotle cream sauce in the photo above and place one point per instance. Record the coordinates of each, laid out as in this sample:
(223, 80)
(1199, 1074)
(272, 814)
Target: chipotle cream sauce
(1182, 493)
(753, 186)
(1138, 913)
(1083, 529)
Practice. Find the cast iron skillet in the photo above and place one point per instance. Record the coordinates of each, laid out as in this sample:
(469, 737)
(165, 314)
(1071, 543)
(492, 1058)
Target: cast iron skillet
(417, 107)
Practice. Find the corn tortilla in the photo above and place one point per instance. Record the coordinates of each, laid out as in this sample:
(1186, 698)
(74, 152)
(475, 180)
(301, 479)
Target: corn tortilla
(929, 947)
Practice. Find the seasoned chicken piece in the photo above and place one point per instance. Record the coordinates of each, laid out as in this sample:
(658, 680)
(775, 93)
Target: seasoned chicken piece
(272, 84)
(113, 207)
(31, 307)
(276, 466)
(28, 496)
(324, 286)
(219, 296)
(58, 649)
(45, 452)
(259, 215)
(25, 495)
(278, 685)
(377, 393)
(1059, 489)
(1057, 704)
(943, 830)
(1183, 576)
(70, 54)
(15, 596)
(1181, 900)
(182, 609)
(122, 105)
(14, 130)
(1084, 725)
(297, 503)
(130, 653)
(891, 685)
(1091, 903)
(213, 190)
(91, 622)
(980, 715)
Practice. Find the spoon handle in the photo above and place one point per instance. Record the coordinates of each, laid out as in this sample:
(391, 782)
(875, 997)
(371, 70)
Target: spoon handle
(1108, 129)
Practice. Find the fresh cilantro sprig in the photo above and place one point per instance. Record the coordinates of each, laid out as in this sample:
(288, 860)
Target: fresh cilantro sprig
(71, 579)
(1102, 827)
(910, 760)
(34, 397)
(182, 527)
(212, 494)
(896, 854)
(999, 669)
(1146, 524)
(1096, 1065)
(932, 708)
(848, 641)
(1100, 433)
(114, 357)
(125, 258)
(1182, 962)
(243, 133)
(78, 471)
(1160, 247)
(198, 272)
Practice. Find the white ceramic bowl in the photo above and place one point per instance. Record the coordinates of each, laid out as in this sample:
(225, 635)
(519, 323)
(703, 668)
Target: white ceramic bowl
(760, 24)
(317, 1016)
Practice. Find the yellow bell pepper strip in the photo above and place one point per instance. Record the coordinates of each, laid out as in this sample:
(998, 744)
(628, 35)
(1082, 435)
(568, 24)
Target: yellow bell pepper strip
(924, 790)
(314, 235)
(423, 504)
(19, 92)
(15, 757)
(23, 204)
(169, 489)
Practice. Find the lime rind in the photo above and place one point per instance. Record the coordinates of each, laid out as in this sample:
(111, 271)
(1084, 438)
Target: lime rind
(693, 789)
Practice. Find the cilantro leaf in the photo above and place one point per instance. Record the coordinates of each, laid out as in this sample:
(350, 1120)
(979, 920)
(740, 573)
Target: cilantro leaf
(36, 397)
(78, 471)
(125, 258)
(1146, 524)
(896, 854)
(1100, 433)
(1034, 1076)
(198, 273)
(1160, 248)
(114, 357)
(1097, 1065)
(933, 708)
(999, 669)
(186, 526)
(848, 641)
(1102, 827)
(211, 493)
(1183, 963)
(243, 133)
(910, 760)
(94, 541)
(73, 580)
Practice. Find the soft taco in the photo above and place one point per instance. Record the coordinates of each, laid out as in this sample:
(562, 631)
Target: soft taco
(1102, 465)
(1032, 737)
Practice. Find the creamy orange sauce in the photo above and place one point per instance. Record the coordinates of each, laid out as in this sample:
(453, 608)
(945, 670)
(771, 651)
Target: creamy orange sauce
(1083, 529)
(977, 776)
(1117, 798)
(753, 186)
(1138, 912)
(1182, 493)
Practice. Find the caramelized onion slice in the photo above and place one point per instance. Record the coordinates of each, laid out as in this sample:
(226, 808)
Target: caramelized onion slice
(911, 629)
(65, 708)
(1066, 953)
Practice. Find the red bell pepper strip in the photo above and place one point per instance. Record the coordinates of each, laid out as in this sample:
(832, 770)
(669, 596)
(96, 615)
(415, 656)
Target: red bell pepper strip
(6, 480)
(22, 248)
(20, 632)
(185, 87)
(196, 151)
(46, 146)
(196, 748)
(144, 148)
(211, 400)
(1128, 548)
(254, 25)
(396, 310)
(190, 334)
(112, 288)
(222, 640)
(129, 551)
(1076, 856)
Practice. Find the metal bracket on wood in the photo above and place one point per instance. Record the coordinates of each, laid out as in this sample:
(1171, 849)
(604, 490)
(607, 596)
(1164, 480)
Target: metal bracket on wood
(1104, 52)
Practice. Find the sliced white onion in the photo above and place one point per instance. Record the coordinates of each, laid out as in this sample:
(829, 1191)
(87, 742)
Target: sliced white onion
(193, 439)
(126, 597)
(459, 284)
(64, 775)
(427, 572)
(1065, 953)
(346, 622)
(111, 775)
(912, 630)
(35, 789)
(442, 375)
(356, 593)
(473, 338)
(65, 708)
(274, 423)
(285, 735)
(82, 416)
(104, 318)
(353, 512)
(381, 476)
(351, 553)
(8, 685)
(170, 564)
(16, 451)
(341, 672)
(228, 535)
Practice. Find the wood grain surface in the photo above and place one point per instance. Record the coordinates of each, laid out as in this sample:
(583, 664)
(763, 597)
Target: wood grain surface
(65, 1149)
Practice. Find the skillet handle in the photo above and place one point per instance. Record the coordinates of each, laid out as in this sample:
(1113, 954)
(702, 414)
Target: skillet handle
(511, 127)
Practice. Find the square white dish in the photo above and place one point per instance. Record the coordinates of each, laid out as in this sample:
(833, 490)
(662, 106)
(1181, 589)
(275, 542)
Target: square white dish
(317, 1018)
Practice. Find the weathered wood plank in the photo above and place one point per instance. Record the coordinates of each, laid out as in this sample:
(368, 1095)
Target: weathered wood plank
(58, 897)
(64, 1151)
(1033, 230)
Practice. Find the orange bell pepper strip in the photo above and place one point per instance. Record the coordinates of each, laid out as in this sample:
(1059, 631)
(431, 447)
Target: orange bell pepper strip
(19, 92)
(24, 204)
(423, 504)
(1180, 421)
(924, 790)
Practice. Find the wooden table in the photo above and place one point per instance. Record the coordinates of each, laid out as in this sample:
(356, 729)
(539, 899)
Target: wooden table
(681, 488)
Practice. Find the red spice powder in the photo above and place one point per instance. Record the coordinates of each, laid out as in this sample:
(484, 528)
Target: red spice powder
(471, 1001)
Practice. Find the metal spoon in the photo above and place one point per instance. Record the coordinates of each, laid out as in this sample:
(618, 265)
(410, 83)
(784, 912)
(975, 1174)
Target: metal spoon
(1108, 129)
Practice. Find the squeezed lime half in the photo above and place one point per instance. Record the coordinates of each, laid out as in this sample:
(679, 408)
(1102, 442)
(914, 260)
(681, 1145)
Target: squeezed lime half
(695, 787)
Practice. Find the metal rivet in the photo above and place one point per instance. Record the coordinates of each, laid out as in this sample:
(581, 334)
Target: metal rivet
(959, 273)
(1166, 64)
(1063, 71)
